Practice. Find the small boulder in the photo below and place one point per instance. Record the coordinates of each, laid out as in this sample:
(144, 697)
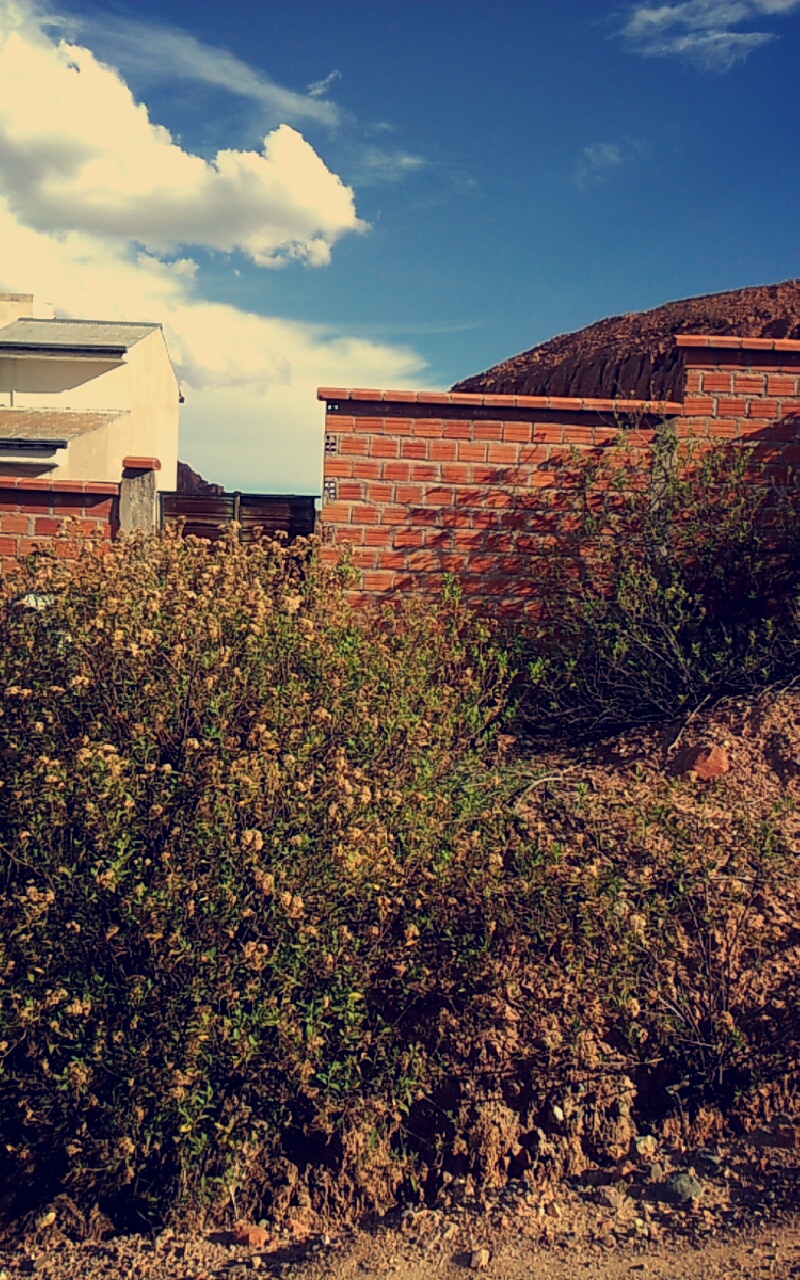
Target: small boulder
(708, 763)
(681, 1188)
(479, 1259)
(788, 1136)
(709, 1159)
(612, 1197)
(779, 1134)
(645, 1146)
(252, 1237)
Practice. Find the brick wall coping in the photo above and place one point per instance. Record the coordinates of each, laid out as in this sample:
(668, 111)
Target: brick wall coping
(565, 403)
(141, 464)
(736, 344)
(57, 486)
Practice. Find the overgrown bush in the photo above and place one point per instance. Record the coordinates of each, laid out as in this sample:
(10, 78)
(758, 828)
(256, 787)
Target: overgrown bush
(668, 594)
(274, 909)
(231, 818)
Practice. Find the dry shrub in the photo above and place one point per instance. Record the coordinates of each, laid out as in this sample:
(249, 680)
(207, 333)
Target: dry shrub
(678, 586)
(694, 939)
(230, 813)
(275, 921)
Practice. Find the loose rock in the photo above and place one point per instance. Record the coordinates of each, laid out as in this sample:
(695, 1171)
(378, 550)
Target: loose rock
(681, 1188)
(645, 1146)
(253, 1237)
(612, 1197)
(708, 763)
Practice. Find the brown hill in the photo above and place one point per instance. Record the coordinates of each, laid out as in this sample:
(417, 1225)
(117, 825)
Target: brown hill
(190, 481)
(634, 355)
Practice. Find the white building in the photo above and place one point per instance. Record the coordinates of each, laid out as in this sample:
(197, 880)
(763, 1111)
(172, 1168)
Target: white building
(85, 400)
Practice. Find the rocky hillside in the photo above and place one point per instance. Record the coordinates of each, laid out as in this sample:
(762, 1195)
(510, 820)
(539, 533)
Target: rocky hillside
(190, 481)
(634, 355)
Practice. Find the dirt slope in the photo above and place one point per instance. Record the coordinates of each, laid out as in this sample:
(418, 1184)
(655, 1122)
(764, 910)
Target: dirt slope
(634, 355)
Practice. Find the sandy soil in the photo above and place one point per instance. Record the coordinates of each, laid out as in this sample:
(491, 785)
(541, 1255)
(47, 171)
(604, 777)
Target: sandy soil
(774, 1251)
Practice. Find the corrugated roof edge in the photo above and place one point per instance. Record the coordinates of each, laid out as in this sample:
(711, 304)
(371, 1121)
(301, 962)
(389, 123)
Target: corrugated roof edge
(28, 333)
(134, 324)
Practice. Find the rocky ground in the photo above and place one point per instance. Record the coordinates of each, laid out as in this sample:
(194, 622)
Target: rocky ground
(719, 1212)
(635, 355)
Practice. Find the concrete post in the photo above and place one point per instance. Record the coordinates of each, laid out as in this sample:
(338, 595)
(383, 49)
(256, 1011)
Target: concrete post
(137, 501)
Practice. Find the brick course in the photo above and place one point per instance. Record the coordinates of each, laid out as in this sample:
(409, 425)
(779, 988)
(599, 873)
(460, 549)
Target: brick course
(32, 514)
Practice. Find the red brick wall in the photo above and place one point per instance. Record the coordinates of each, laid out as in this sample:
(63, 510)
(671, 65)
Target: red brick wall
(32, 513)
(747, 391)
(473, 486)
(424, 484)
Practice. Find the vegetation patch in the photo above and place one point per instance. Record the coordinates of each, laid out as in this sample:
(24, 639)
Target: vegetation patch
(678, 586)
(283, 921)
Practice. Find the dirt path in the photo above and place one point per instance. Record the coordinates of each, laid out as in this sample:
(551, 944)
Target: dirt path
(731, 1212)
(774, 1252)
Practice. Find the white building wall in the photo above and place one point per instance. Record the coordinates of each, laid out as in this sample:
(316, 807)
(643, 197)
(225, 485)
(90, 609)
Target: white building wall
(143, 386)
(155, 408)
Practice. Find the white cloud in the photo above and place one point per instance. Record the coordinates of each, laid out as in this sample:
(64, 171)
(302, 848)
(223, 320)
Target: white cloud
(78, 152)
(152, 52)
(703, 31)
(251, 419)
(245, 439)
(375, 165)
(94, 200)
(320, 87)
(599, 161)
(775, 6)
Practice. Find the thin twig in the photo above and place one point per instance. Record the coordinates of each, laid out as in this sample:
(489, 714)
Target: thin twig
(672, 746)
(541, 782)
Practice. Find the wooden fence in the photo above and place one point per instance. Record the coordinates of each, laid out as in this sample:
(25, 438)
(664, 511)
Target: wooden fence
(207, 517)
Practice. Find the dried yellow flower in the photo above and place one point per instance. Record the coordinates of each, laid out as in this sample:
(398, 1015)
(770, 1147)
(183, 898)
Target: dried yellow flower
(256, 955)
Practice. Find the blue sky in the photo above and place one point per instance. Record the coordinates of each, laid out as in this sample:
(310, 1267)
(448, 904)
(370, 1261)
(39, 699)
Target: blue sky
(441, 185)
